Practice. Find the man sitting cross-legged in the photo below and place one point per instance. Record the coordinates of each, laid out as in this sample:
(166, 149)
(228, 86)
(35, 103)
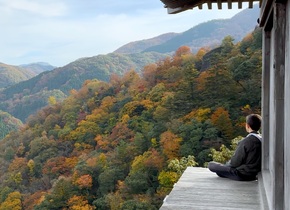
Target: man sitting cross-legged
(245, 164)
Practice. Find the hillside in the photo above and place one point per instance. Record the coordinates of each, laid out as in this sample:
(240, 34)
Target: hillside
(212, 32)
(123, 144)
(60, 81)
(8, 124)
(10, 75)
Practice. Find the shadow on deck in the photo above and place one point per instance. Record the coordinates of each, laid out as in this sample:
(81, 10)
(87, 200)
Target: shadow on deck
(200, 189)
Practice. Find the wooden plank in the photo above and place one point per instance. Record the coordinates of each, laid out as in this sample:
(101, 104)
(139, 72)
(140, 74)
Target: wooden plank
(251, 4)
(209, 5)
(200, 189)
(219, 4)
(240, 4)
(230, 4)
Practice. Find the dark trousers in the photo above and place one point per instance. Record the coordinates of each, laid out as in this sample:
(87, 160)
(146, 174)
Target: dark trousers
(226, 171)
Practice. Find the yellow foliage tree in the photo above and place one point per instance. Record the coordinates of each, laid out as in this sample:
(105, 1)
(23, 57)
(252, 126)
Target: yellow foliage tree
(200, 115)
(79, 203)
(51, 100)
(12, 202)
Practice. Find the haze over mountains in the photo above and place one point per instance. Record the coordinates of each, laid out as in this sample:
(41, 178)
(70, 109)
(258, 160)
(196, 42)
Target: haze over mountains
(24, 98)
(39, 67)
(208, 34)
(10, 75)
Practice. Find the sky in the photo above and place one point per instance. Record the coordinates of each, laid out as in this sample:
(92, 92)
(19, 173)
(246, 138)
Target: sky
(61, 31)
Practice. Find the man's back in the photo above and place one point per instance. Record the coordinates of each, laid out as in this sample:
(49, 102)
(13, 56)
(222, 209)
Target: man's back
(247, 158)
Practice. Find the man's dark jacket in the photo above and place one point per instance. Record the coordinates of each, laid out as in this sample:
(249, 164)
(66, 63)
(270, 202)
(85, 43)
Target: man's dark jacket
(247, 157)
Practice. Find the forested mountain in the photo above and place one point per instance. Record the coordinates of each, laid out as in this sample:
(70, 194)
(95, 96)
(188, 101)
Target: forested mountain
(139, 46)
(38, 68)
(26, 97)
(122, 144)
(10, 75)
(8, 124)
(212, 32)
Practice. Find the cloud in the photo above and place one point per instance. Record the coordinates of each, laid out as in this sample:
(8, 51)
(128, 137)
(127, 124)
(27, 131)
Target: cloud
(61, 31)
(45, 8)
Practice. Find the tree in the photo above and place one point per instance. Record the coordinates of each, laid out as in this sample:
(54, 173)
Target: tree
(85, 181)
(62, 190)
(224, 154)
(108, 180)
(221, 119)
(183, 50)
(170, 143)
(79, 203)
(137, 205)
(144, 172)
(149, 74)
(227, 45)
(4, 192)
(12, 202)
(201, 115)
(167, 178)
(179, 165)
(51, 100)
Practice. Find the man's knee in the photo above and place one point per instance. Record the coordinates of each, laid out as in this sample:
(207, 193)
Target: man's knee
(213, 166)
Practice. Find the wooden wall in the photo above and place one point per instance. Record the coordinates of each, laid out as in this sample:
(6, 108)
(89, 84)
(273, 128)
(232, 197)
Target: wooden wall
(276, 103)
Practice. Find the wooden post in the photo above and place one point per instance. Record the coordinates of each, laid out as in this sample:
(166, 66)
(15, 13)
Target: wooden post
(279, 27)
(287, 112)
(266, 98)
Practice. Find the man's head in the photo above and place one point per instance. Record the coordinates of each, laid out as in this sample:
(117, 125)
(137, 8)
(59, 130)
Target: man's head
(254, 121)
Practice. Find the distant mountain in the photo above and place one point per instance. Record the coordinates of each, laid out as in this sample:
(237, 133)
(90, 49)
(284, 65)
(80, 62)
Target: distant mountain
(139, 46)
(10, 75)
(27, 97)
(212, 32)
(38, 67)
(8, 123)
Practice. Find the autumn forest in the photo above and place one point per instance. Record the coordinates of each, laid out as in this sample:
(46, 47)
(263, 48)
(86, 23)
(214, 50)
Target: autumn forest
(122, 144)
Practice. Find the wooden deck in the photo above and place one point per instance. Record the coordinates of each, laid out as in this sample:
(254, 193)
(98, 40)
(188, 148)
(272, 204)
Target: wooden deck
(200, 189)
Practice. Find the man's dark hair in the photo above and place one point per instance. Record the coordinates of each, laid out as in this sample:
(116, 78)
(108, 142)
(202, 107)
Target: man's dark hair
(254, 121)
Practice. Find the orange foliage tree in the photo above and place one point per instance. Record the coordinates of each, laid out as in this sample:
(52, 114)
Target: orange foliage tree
(170, 143)
(221, 119)
(85, 181)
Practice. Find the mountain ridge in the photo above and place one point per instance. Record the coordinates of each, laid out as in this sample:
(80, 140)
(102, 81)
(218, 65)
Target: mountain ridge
(141, 45)
(210, 33)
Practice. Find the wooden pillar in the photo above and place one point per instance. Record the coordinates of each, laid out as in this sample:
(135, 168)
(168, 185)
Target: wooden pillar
(266, 98)
(279, 27)
(287, 111)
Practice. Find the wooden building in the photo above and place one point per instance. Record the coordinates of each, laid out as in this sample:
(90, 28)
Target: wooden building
(275, 20)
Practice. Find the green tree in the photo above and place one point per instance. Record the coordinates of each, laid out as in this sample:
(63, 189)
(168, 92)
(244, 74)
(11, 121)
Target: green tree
(57, 199)
(224, 154)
